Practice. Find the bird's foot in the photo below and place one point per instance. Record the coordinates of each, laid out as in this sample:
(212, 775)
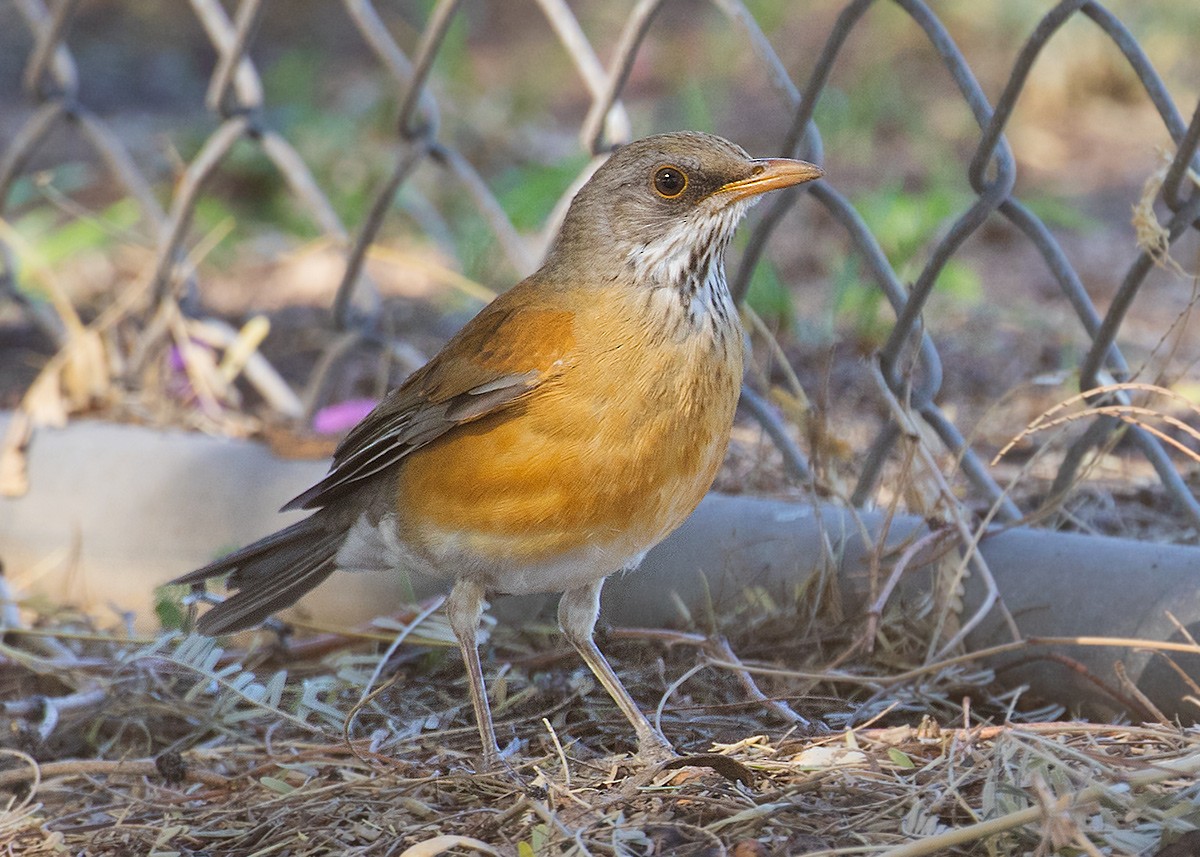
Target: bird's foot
(654, 750)
(493, 760)
(490, 762)
(659, 756)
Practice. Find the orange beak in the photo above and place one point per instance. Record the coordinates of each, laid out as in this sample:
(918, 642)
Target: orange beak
(770, 174)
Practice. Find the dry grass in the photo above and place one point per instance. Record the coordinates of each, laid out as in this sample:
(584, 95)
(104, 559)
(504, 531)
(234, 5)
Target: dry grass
(174, 745)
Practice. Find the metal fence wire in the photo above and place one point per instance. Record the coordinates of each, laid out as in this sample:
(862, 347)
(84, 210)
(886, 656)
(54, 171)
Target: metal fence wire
(235, 97)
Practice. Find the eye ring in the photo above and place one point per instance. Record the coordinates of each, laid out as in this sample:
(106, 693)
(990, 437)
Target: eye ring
(669, 181)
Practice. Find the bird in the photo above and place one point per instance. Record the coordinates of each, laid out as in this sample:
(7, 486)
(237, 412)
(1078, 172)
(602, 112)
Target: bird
(562, 433)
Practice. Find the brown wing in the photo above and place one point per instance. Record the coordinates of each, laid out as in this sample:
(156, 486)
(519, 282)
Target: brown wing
(514, 345)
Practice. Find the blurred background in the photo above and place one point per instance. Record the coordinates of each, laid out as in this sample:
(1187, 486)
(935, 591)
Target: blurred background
(174, 237)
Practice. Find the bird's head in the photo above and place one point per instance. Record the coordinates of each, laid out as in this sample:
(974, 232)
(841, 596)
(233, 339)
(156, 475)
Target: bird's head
(665, 207)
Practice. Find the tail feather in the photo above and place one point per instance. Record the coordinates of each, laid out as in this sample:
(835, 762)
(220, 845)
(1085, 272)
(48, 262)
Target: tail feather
(270, 574)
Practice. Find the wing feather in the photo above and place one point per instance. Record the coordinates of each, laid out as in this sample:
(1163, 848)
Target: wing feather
(503, 354)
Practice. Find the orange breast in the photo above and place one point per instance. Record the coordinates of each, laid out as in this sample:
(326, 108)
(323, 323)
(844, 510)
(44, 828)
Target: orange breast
(613, 453)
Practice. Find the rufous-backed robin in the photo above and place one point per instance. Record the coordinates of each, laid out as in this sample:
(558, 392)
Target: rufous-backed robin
(565, 431)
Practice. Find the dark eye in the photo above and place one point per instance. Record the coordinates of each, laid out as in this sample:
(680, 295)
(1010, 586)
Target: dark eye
(669, 182)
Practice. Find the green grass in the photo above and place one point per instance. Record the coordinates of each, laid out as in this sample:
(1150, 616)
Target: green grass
(906, 223)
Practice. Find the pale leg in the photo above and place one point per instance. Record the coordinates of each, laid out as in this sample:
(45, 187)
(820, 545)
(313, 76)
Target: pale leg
(577, 613)
(464, 607)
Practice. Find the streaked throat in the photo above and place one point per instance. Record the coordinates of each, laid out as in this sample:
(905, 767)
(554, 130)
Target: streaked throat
(683, 274)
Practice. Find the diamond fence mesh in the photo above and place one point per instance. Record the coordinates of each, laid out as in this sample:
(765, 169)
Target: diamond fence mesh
(58, 119)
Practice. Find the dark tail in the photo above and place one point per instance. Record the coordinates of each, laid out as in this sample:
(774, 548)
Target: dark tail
(270, 574)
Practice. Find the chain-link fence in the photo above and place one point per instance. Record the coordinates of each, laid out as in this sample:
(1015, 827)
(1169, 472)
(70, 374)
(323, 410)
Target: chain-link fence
(909, 367)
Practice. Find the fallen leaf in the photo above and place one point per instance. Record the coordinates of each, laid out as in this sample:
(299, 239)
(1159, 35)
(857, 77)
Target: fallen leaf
(831, 757)
(442, 844)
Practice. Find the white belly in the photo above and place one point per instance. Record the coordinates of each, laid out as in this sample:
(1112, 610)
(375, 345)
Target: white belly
(377, 547)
